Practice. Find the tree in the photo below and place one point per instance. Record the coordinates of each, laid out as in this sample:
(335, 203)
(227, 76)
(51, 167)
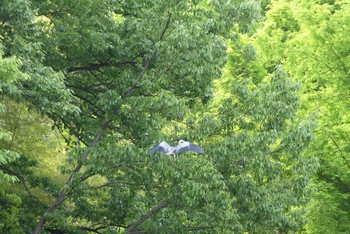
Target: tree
(39, 152)
(113, 74)
(308, 38)
(257, 142)
(9, 74)
(116, 77)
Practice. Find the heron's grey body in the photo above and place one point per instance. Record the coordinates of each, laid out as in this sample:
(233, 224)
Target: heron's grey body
(181, 147)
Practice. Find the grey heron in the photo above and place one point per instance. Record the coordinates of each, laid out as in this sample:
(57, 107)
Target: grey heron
(181, 147)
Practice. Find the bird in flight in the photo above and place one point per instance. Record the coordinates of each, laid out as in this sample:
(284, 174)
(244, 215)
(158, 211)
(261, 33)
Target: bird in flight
(181, 147)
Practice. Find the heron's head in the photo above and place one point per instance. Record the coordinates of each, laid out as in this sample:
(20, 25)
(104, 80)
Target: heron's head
(181, 141)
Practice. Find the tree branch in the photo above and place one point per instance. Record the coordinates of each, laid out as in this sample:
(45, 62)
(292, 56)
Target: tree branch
(97, 66)
(20, 177)
(146, 216)
(198, 228)
(149, 61)
(341, 153)
(338, 183)
(99, 227)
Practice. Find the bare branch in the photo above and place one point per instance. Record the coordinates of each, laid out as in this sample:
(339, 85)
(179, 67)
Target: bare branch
(110, 184)
(100, 227)
(338, 183)
(149, 61)
(20, 177)
(146, 216)
(98, 66)
(341, 153)
(198, 228)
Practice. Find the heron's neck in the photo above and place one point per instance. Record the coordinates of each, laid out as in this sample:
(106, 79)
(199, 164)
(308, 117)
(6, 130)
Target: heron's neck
(172, 151)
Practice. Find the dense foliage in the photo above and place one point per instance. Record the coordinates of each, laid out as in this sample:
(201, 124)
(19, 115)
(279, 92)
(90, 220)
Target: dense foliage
(88, 87)
(310, 38)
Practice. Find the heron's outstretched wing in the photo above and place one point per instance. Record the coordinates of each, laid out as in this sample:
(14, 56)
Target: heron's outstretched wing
(162, 147)
(185, 146)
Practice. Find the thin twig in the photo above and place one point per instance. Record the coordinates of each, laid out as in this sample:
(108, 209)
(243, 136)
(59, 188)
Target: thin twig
(341, 153)
(20, 177)
(98, 66)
